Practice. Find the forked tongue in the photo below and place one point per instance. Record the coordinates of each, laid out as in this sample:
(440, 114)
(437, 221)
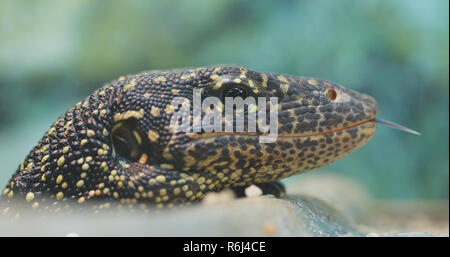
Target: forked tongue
(396, 126)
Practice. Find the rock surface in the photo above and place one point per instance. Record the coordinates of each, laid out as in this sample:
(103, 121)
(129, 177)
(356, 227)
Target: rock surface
(344, 211)
(257, 216)
(298, 215)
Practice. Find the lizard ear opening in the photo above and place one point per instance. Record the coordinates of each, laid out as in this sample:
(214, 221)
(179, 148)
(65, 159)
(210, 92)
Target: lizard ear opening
(126, 142)
(331, 93)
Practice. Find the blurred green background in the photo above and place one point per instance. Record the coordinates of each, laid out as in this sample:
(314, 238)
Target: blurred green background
(54, 53)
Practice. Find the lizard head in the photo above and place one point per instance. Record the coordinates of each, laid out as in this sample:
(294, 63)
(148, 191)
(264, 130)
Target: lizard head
(164, 137)
(315, 122)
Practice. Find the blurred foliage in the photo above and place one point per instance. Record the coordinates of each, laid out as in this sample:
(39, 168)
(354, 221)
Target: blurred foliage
(54, 53)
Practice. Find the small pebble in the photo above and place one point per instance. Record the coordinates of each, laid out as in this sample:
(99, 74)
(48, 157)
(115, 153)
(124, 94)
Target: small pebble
(253, 191)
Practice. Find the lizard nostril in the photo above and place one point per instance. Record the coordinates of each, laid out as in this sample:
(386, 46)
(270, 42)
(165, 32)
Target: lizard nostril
(331, 93)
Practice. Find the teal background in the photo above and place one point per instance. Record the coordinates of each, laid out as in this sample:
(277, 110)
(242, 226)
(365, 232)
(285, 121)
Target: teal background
(55, 53)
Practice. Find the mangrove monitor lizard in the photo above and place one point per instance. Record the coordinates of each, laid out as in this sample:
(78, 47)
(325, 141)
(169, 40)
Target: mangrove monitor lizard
(117, 145)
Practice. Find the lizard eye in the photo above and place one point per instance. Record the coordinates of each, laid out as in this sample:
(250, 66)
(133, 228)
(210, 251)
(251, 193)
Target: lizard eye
(125, 142)
(235, 90)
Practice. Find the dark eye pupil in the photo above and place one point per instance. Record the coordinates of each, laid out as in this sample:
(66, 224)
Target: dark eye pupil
(235, 92)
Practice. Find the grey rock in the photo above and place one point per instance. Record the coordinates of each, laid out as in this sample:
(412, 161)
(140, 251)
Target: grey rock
(293, 215)
(256, 216)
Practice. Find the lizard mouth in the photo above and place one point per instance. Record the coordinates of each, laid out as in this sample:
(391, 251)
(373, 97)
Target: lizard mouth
(356, 125)
(367, 123)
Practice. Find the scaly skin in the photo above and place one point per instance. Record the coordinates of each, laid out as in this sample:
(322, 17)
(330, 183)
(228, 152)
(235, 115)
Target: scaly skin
(76, 161)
